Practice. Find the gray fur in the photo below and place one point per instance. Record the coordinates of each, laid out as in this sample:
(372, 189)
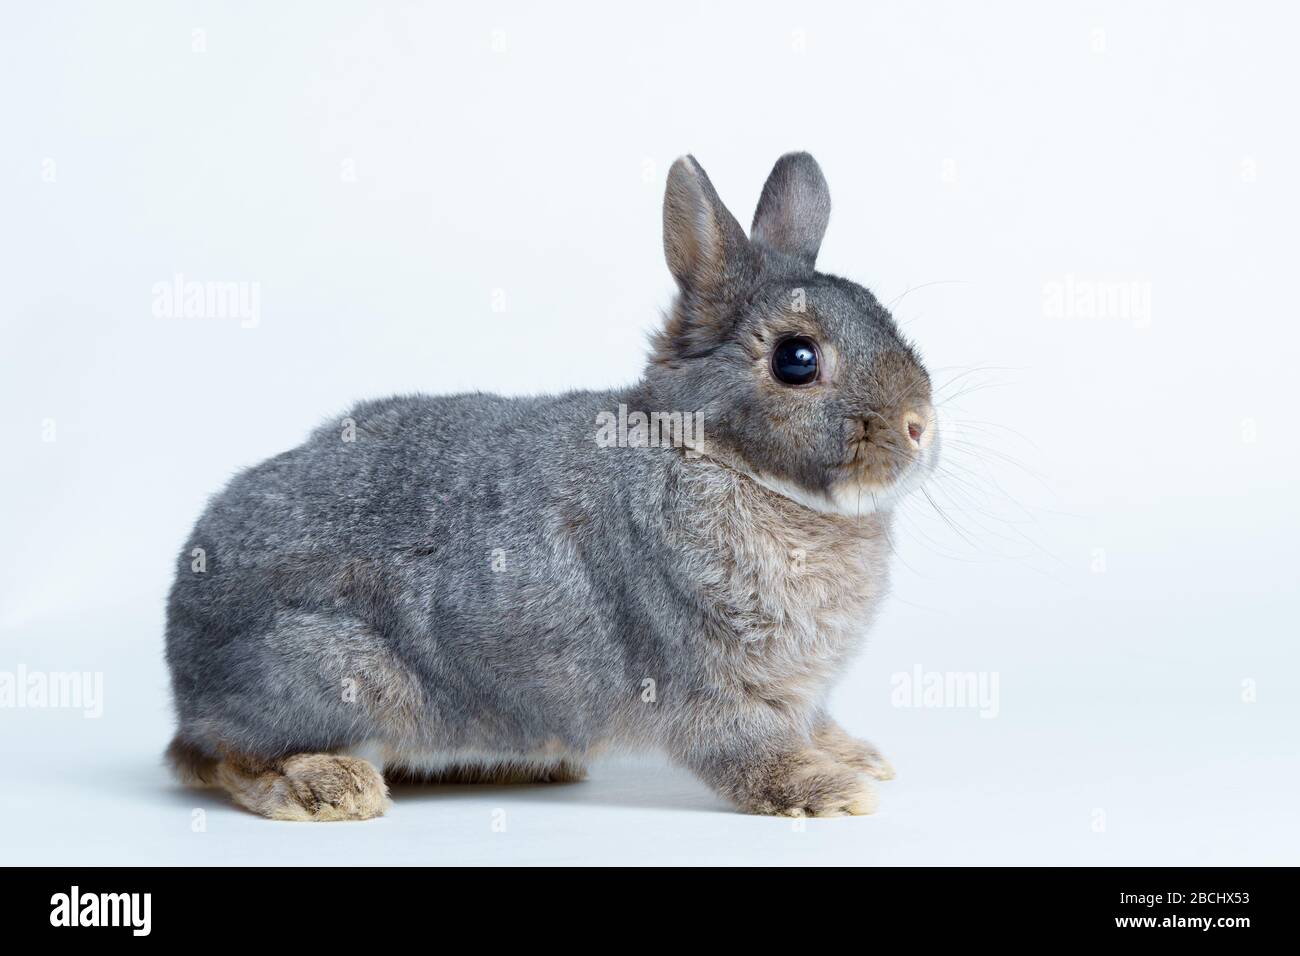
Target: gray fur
(794, 210)
(473, 575)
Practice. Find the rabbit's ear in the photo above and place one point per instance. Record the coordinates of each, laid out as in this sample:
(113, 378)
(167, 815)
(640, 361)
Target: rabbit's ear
(706, 248)
(794, 208)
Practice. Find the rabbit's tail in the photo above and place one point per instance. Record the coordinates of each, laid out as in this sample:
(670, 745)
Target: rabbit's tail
(192, 766)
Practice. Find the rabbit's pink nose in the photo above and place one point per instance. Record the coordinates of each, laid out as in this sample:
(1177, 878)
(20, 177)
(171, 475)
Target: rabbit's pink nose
(916, 425)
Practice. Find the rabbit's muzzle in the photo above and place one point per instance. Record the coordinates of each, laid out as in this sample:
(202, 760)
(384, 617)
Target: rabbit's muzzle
(884, 445)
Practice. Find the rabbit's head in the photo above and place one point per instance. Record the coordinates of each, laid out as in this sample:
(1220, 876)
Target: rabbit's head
(802, 379)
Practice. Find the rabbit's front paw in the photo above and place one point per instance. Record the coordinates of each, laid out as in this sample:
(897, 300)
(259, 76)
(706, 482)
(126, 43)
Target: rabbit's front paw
(858, 754)
(810, 783)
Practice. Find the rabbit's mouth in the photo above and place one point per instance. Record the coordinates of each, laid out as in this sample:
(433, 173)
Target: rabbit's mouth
(874, 475)
(888, 456)
(882, 447)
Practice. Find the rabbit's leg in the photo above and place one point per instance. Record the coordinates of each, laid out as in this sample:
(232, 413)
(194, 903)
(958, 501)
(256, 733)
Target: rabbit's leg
(315, 787)
(836, 741)
(779, 780)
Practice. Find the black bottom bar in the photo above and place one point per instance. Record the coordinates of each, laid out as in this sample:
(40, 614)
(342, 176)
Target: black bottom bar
(334, 904)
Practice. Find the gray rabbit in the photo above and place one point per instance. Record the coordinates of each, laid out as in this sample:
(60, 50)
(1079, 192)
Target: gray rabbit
(476, 588)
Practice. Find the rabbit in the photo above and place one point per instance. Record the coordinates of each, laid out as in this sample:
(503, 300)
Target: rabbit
(475, 588)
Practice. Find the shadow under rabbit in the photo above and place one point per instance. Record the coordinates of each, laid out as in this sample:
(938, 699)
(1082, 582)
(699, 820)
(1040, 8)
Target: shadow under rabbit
(643, 787)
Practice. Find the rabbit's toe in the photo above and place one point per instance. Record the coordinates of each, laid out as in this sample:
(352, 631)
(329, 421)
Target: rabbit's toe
(813, 784)
(857, 803)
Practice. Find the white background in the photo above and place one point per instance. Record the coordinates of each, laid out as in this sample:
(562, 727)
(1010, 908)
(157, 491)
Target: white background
(1121, 487)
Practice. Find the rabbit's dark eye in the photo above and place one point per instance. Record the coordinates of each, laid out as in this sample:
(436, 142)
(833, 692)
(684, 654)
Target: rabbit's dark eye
(795, 362)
